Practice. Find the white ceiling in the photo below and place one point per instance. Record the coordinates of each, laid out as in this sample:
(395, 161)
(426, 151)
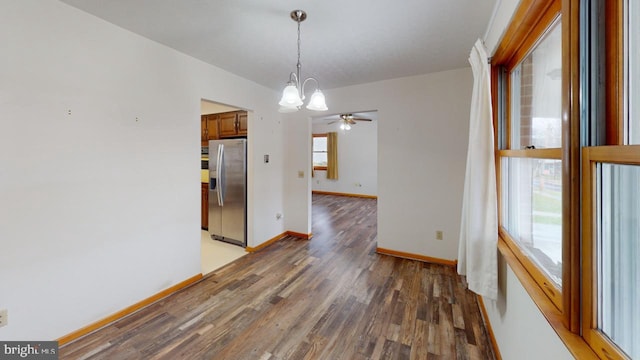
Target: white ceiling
(344, 42)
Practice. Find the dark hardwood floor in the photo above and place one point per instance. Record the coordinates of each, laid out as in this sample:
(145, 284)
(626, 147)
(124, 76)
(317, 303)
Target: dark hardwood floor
(331, 297)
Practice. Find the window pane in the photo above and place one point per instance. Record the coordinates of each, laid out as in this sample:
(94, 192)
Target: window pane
(320, 159)
(536, 95)
(319, 144)
(618, 254)
(532, 210)
(633, 63)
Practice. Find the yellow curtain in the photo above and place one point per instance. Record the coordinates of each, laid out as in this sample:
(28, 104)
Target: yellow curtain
(332, 156)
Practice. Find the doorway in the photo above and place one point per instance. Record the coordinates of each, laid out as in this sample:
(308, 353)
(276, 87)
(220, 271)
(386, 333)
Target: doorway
(357, 155)
(213, 253)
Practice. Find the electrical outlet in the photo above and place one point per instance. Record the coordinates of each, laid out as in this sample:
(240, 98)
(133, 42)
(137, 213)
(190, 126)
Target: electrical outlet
(4, 319)
(439, 235)
(278, 216)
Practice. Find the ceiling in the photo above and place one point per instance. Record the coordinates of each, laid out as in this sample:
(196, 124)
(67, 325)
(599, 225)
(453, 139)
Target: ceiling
(342, 42)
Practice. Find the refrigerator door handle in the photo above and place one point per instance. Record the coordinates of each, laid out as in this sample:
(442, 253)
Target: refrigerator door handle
(220, 173)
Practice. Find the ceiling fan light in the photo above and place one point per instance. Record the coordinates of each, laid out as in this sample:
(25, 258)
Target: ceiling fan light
(290, 97)
(347, 127)
(317, 102)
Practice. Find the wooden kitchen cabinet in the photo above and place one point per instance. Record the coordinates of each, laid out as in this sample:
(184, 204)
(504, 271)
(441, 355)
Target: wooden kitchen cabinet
(209, 128)
(233, 124)
(205, 206)
(203, 130)
(228, 123)
(223, 125)
(242, 123)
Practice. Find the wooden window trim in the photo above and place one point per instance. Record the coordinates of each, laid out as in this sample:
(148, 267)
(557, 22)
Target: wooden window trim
(555, 154)
(574, 342)
(528, 26)
(614, 151)
(530, 21)
(571, 197)
(581, 338)
(627, 154)
(614, 79)
(553, 293)
(318, 167)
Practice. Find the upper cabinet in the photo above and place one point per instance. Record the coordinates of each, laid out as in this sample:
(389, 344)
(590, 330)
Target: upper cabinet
(233, 124)
(208, 128)
(227, 124)
(223, 125)
(242, 123)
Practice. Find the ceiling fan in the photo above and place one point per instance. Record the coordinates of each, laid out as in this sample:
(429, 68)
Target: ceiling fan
(346, 120)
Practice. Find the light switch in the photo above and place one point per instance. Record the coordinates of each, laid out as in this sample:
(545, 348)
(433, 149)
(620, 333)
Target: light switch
(266, 158)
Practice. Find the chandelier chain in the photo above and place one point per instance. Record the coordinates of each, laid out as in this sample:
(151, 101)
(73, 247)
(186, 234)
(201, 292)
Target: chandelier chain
(298, 44)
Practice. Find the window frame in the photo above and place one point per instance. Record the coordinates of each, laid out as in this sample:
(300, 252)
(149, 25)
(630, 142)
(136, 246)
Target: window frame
(525, 27)
(617, 154)
(505, 61)
(615, 150)
(313, 152)
(594, 112)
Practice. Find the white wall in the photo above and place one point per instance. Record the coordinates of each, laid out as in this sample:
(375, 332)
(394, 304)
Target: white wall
(357, 159)
(297, 190)
(422, 145)
(502, 13)
(521, 331)
(207, 107)
(99, 166)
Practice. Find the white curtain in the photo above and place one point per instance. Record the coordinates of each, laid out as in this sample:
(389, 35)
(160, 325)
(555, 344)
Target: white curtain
(477, 252)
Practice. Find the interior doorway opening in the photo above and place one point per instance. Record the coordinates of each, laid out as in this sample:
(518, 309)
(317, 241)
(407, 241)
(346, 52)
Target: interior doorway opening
(357, 153)
(215, 120)
(356, 135)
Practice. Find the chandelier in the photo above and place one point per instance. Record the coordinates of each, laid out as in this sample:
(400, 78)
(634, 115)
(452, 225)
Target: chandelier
(293, 93)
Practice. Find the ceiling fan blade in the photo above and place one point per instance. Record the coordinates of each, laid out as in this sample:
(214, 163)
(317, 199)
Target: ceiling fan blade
(350, 121)
(360, 119)
(332, 122)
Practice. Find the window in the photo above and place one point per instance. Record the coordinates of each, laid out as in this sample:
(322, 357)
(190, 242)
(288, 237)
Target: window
(569, 167)
(611, 183)
(530, 178)
(536, 94)
(532, 192)
(612, 248)
(320, 156)
(617, 254)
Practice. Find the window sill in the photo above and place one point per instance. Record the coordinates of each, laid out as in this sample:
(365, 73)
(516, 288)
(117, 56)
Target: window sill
(574, 343)
(324, 168)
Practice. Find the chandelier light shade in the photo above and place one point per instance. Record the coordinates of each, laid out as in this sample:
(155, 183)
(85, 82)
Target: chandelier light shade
(293, 94)
(290, 97)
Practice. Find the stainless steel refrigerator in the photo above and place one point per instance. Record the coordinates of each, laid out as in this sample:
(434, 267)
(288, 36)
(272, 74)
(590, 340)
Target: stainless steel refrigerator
(228, 190)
